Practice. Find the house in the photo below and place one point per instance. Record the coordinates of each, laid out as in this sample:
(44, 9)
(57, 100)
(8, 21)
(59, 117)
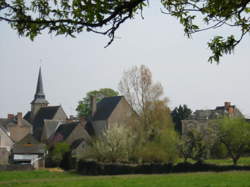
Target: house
(29, 151)
(16, 127)
(5, 145)
(41, 112)
(108, 112)
(202, 118)
(69, 133)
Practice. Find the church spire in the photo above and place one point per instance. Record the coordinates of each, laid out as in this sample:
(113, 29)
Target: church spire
(39, 95)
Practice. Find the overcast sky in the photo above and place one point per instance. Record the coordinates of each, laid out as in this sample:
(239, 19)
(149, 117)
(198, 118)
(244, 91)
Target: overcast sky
(73, 66)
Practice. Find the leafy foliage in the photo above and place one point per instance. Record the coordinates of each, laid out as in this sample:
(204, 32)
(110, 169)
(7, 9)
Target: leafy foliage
(162, 149)
(84, 109)
(64, 17)
(234, 133)
(58, 152)
(178, 114)
(197, 143)
(115, 145)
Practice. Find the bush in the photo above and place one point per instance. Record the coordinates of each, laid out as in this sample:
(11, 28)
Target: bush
(161, 150)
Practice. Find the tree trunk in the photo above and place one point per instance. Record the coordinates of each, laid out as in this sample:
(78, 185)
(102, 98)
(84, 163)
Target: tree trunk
(235, 160)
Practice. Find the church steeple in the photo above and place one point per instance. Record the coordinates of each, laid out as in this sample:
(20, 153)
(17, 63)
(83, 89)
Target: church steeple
(39, 98)
(39, 95)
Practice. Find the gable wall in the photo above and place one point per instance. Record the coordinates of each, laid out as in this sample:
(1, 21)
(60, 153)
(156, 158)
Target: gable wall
(60, 115)
(77, 133)
(18, 132)
(5, 141)
(99, 126)
(120, 114)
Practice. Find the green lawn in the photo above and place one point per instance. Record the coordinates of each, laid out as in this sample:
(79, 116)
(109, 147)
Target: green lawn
(243, 161)
(45, 178)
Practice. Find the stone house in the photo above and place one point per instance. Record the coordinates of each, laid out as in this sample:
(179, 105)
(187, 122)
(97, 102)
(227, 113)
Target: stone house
(6, 144)
(202, 118)
(69, 133)
(108, 112)
(29, 151)
(16, 127)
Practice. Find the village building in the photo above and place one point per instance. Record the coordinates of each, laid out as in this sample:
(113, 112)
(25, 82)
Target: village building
(203, 118)
(108, 112)
(29, 151)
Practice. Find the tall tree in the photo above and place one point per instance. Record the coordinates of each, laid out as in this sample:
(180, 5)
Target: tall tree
(146, 98)
(64, 17)
(84, 109)
(178, 114)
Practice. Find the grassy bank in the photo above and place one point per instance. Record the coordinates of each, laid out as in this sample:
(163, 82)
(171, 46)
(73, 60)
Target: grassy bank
(45, 178)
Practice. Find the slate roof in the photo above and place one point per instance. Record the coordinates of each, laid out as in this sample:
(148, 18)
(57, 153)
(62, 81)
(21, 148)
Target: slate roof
(28, 149)
(105, 107)
(28, 145)
(27, 116)
(66, 129)
(76, 143)
(45, 113)
(6, 123)
(89, 128)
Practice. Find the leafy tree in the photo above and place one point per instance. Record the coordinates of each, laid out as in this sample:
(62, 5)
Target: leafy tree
(163, 149)
(234, 133)
(178, 114)
(84, 108)
(64, 17)
(57, 153)
(115, 145)
(197, 142)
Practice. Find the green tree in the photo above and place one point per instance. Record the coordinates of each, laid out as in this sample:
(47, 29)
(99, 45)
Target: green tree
(197, 142)
(64, 17)
(116, 144)
(57, 153)
(84, 108)
(178, 114)
(234, 133)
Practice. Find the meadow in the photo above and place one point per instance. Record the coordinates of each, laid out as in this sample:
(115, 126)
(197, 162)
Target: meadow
(59, 178)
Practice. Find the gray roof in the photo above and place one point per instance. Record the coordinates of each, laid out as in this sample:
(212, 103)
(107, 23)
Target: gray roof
(105, 107)
(66, 129)
(6, 123)
(45, 113)
(28, 145)
(39, 95)
(29, 149)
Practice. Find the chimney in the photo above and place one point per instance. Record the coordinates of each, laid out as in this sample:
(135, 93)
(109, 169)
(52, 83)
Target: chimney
(227, 105)
(19, 118)
(11, 116)
(93, 105)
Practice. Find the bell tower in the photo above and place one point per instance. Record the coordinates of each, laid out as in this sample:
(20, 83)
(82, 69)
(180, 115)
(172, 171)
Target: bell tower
(39, 98)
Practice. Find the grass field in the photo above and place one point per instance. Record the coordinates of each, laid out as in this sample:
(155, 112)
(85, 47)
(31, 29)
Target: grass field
(46, 178)
(243, 161)
(206, 179)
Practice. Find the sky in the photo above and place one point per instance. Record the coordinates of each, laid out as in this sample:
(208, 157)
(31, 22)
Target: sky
(73, 66)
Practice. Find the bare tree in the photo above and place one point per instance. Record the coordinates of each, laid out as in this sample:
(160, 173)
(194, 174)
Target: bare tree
(146, 98)
(138, 88)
